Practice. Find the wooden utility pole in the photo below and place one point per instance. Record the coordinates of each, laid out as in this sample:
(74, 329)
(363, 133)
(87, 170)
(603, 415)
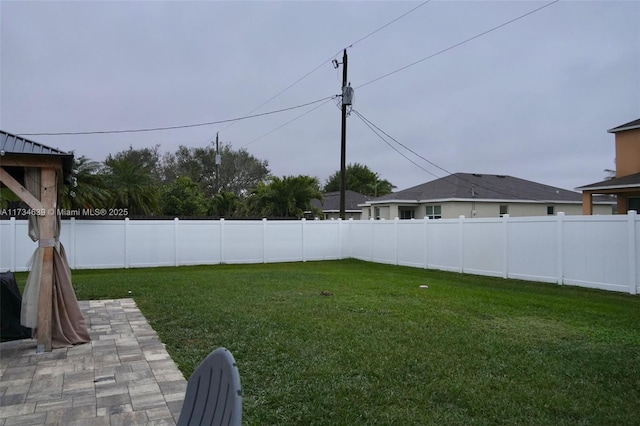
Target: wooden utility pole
(343, 138)
(217, 160)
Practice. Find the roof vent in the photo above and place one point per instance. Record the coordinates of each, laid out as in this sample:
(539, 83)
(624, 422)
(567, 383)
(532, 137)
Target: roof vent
(501, 176)
(477, 175)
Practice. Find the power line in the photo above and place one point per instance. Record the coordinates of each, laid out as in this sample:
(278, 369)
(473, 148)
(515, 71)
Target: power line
(184, 126)
(287, 123)
(325, 61)
(387, 24)
(284, 90)
(473, 184)
(404, 146)
(459, 44)
(234, 120)
(371, 127)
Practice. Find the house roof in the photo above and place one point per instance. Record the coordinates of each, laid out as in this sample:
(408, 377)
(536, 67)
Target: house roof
(474, 186)
(331, 201)
(12, 145)
(635, 124)
(629, 181)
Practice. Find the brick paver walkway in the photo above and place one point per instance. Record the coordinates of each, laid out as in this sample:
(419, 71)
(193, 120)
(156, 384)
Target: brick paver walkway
(124, 376)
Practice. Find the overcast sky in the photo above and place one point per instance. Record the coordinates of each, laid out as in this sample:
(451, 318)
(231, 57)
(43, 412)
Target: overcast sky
(532, 99)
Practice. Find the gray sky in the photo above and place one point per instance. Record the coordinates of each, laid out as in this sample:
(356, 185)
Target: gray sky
(532, 99)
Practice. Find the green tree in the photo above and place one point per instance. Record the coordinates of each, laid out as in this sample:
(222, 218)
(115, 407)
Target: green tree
(289, 196)
(226, 204)
(87, 187)
(239, 172)
(147, 158)
(183, 198)
(8, 198)
(360, 179)
(131, 186)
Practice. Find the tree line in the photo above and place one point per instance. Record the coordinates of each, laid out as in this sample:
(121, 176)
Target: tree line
(191, 183)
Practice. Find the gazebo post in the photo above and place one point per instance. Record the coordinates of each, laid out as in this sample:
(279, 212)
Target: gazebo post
(48, 199)
(38, 309)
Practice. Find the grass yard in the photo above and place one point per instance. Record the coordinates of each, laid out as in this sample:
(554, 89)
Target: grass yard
(382, 351)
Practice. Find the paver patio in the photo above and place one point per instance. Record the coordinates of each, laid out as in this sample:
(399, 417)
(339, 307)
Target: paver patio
(124, 376)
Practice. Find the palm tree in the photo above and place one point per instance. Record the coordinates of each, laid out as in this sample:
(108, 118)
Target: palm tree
(225, 204)
(87, 189)
(289, 196)
(131, 186)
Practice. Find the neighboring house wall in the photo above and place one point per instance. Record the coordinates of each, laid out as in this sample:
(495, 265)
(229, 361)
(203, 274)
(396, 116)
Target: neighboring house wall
(479, 209)
(627, 152)
(475, 195)
(625, 186)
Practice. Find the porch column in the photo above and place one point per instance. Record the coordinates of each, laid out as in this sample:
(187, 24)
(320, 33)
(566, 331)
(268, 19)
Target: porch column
(623, 204)
(587, 203)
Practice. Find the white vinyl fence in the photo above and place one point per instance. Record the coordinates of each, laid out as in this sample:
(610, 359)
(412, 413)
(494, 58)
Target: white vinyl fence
(588, 251)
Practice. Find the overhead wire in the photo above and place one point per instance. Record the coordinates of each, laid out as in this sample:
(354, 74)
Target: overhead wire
(184, 126)
(389, 23)
(317, 68)
(375, 129)
(401, 144)
(288, 122)
(326, 99)
(458, 44)
(398, 70)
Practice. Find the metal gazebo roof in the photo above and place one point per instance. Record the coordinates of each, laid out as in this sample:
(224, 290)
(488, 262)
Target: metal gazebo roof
(12, 146)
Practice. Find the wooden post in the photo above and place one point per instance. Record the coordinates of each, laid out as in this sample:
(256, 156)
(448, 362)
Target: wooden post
(587, 203)
(48, 198)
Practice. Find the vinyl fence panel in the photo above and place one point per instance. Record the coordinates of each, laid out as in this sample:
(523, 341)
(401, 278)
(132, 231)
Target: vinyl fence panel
(484, 246)
(588, 251)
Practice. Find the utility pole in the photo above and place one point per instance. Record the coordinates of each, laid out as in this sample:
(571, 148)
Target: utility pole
(218, 161)
(343, 138)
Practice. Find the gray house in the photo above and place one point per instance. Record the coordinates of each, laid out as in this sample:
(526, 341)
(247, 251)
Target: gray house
(478, 195)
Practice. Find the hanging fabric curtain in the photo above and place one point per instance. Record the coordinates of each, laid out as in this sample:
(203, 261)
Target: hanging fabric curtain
(67, 322)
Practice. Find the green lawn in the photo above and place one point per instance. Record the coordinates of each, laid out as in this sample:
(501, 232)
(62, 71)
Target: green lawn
(382, 351)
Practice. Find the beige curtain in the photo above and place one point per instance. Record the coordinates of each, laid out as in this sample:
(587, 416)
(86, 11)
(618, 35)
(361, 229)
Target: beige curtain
(67, 322)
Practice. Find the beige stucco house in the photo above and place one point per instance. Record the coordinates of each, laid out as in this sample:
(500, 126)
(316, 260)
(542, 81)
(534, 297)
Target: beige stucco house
(478, 195)
(626, 184)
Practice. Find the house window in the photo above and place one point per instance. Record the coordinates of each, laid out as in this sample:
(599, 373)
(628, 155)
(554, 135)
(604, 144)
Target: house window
(434, 212)
(633, 203)
(504, 209)
(550, 210)
(407, 213)
(376, 213)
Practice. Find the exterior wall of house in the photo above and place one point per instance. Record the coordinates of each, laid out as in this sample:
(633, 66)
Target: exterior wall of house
(489, 209)
(384, 212)
(455, 209)
(627, 152)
